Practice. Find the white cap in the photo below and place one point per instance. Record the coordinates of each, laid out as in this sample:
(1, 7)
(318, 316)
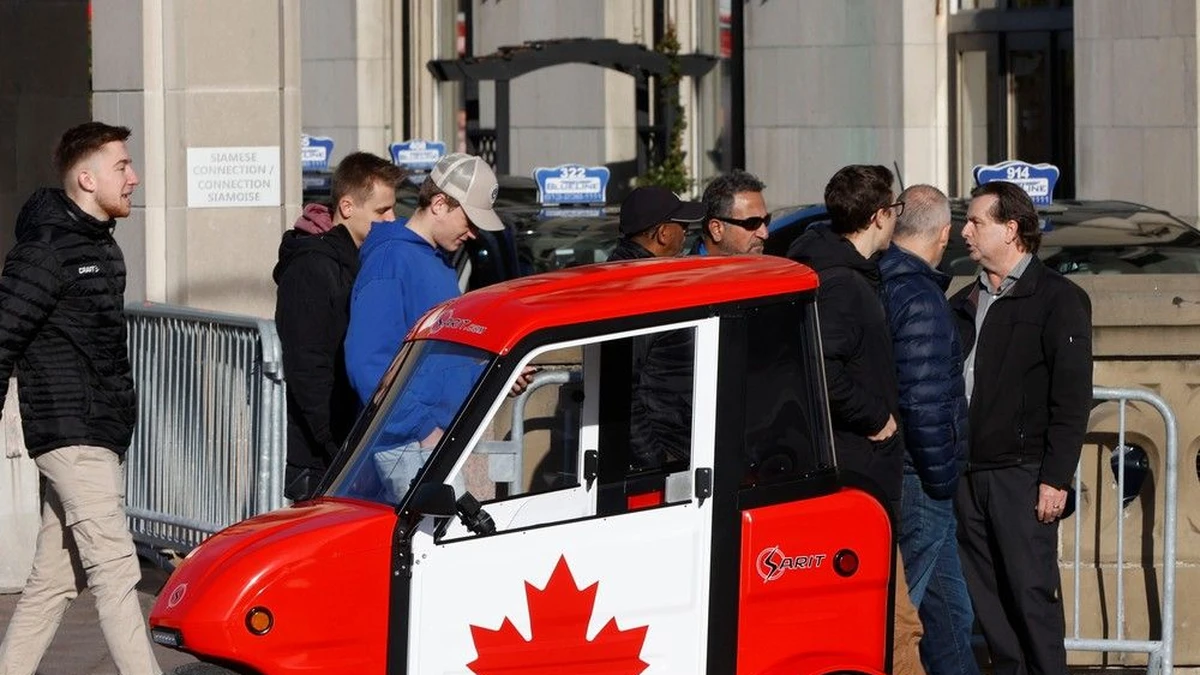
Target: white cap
(472, 183)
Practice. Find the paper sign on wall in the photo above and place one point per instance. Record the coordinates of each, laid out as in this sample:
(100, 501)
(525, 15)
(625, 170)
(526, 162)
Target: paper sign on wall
(231, 177)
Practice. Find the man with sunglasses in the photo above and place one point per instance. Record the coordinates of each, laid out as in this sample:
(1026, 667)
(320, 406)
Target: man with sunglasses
(737, 219)
(860, 371)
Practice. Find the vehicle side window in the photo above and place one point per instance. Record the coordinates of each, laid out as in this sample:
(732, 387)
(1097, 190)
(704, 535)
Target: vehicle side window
(605, 428)
(646, 390)
(531, 444)
(787, 433)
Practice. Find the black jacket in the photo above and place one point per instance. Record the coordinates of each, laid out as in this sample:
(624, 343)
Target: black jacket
(628, 249)
(62, 325)
(315, 275)
(860, 373)
(929, 363)
(660, 420)
(1033, 374)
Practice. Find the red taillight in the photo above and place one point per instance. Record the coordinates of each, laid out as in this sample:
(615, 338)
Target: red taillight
(845, 562)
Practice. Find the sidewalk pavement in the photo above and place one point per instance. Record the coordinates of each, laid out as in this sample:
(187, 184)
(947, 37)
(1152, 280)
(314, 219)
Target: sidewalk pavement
(78, 647)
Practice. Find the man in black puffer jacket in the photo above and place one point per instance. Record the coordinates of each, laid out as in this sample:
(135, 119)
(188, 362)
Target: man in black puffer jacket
(318, 262)
(933, 419)
(62, 326)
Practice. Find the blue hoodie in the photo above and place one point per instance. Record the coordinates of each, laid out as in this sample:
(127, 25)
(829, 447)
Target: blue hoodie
(401, 277)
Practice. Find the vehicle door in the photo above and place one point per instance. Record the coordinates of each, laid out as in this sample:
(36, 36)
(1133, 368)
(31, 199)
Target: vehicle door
(596, 482)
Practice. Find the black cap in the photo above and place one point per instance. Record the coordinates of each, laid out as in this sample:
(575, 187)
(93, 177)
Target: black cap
(646, 207)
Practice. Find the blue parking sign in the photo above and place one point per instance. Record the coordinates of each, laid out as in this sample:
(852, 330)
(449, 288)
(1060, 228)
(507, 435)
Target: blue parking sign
(315, 152)
(1037, 180)
(417, 154)
(573, 184)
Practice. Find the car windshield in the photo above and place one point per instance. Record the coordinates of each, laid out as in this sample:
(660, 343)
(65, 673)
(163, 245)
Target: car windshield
(421, 394)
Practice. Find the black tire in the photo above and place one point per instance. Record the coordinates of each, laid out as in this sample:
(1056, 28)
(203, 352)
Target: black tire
(201, 669)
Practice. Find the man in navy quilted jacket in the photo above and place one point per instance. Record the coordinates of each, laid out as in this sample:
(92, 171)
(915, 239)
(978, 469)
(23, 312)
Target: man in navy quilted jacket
(933, 418)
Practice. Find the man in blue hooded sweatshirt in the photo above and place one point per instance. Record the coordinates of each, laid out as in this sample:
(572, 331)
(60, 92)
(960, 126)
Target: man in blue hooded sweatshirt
(405, 264)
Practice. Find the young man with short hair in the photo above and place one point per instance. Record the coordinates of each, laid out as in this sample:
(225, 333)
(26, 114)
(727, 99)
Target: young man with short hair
(62, 326)
(315, 273)
(406, 267)
(860, 373)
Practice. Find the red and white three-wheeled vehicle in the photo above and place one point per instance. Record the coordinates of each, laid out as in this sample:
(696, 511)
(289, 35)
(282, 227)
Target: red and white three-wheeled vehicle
(462, 531)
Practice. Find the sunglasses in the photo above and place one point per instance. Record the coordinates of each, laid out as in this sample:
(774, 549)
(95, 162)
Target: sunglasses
(751, 223)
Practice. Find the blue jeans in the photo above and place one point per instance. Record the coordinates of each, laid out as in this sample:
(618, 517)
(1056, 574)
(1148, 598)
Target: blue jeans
(929, 546)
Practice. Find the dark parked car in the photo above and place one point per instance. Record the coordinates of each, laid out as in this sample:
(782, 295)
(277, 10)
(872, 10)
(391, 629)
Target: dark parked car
(1078, 237)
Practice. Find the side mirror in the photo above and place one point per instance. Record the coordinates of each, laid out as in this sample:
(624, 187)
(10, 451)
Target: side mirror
(433, 499)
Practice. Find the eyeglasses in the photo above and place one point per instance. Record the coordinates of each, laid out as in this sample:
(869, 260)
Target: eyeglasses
(898, 207)
(751, 223)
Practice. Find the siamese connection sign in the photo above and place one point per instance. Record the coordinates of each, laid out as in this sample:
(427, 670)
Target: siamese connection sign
(230, 177)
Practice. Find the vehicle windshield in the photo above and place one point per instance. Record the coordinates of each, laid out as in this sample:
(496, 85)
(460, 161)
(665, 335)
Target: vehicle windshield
(422, 393)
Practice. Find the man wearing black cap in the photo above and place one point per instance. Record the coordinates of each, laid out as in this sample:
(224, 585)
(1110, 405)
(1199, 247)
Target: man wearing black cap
(654, 224)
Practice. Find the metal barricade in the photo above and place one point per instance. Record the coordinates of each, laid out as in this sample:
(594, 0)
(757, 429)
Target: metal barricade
(1159, 652)
(208, 450)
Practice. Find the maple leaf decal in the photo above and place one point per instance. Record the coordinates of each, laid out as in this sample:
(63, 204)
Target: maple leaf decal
(558, 619)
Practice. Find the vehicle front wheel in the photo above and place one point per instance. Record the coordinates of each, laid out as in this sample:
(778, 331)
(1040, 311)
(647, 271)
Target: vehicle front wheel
(202, 669)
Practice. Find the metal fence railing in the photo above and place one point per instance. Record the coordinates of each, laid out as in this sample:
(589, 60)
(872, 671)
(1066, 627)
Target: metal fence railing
(208, 450)
(1159, 651)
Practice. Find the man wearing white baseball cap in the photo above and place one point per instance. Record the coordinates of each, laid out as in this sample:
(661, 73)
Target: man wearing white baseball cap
(406, 267)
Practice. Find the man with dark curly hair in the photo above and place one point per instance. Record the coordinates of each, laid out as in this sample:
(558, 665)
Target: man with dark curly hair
(1028, 334)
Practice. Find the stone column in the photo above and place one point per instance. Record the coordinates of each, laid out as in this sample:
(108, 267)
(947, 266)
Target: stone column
(201, 74)
(1135, 103)
(44, 90)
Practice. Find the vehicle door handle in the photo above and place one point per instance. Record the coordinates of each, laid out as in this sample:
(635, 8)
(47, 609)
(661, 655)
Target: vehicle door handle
(703, 484)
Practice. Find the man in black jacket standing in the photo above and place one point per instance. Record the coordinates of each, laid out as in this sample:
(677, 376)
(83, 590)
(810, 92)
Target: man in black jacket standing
(315, 275)
(62, 326)
(860, 373)
(1028, 332)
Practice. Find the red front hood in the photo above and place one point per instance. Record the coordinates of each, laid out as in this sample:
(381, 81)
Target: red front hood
(320, 568)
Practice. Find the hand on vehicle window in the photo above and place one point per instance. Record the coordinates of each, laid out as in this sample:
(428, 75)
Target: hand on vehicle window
(523, 380)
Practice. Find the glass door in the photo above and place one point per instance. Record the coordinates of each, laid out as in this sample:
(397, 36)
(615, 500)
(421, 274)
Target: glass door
(1013, 98)
(975, 109)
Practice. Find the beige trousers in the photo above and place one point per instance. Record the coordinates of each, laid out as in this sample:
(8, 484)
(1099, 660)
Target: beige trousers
(83, 537)
(907, 632)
